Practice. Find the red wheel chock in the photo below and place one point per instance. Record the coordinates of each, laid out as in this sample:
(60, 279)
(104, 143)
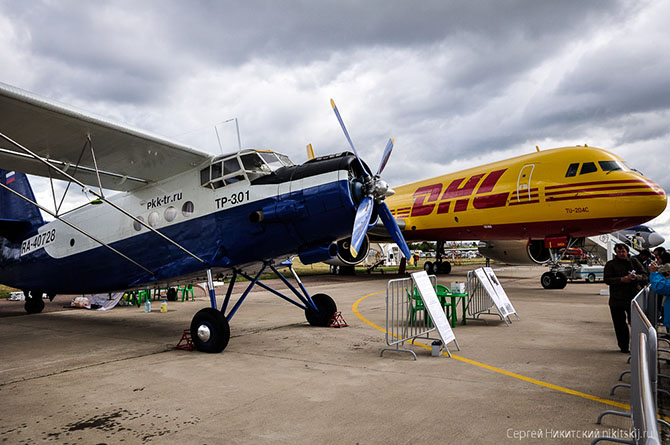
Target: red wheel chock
(186, 343)
(337, 321)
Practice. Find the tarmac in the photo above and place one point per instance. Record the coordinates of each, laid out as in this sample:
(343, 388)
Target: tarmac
(76, 376)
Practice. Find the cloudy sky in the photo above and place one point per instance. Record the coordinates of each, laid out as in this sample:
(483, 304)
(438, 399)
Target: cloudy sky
(457, 83)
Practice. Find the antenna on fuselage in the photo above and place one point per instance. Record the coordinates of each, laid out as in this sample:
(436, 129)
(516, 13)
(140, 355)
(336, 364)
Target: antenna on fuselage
(237, 128)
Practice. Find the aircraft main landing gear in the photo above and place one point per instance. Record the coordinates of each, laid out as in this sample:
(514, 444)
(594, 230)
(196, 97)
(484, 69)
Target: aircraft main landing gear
(210, 327)
(439, 267)
(34, 303)
(554, 280)
(325, 308)
(210, 330)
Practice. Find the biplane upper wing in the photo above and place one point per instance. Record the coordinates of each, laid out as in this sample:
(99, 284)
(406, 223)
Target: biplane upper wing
(126, 158)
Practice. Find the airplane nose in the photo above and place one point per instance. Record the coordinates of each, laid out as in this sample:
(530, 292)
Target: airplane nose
(653, 204)
(655, 239)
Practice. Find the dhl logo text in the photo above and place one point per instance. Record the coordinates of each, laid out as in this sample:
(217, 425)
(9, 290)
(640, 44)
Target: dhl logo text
(459, 192)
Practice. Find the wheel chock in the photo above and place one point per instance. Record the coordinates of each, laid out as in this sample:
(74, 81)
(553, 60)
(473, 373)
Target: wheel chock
(186, 343)
(337, 321)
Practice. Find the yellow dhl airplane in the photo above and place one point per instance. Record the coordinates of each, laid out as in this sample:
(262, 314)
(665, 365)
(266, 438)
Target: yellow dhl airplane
(552, 198)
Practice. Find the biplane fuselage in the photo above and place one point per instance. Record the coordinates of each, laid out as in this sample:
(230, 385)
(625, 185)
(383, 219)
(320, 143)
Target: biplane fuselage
(563, 192)
(233, 219)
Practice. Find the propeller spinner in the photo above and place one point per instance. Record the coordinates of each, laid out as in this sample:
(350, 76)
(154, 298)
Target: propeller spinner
(375, 190)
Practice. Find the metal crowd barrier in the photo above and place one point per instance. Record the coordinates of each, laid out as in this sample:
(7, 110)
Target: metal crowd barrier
(403, 322)
(479, 302)
(644, 374)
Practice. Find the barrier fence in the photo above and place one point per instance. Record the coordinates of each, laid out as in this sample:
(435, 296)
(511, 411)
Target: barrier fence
(644, 374)
(406, 317)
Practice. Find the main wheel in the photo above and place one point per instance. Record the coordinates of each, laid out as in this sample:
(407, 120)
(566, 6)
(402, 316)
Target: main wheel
(210, 330)
(326, 309)
(34, 303)
(428, 267)
(548, 280)
(561, 280)
(591, 278)
(444, 267)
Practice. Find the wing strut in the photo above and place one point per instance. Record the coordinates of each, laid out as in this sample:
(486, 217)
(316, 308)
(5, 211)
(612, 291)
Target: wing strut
(76, 228)
(98, 195)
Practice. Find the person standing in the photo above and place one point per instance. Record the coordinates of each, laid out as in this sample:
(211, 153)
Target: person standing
(625, 277)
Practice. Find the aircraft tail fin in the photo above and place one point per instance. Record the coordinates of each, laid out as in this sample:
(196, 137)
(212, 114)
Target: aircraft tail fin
(18, 218)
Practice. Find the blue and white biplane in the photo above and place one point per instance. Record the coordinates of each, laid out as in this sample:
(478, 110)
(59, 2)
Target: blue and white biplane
(179, 215)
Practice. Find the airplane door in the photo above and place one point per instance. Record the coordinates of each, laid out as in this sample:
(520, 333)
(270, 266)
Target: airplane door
(523, 183)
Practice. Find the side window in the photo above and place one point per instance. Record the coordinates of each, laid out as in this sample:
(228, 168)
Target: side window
(572, 170)
(588, 167)
(204, 176)
(216, 171)
(230, 166)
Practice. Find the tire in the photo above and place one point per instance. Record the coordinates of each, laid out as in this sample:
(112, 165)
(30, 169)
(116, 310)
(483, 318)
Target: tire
(171, 294)
(428, 267)
(326, 309)
(444, 267)
(34, 303)
(210, 330)
(548, 280)
(591, 278)
(561, 280)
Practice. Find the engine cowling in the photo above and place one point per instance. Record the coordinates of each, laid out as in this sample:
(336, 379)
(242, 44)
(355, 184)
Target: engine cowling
(344, 257)
(516, 252)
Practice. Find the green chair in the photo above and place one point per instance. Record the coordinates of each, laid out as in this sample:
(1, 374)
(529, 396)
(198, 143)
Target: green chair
(448, 302)
(185, 291)
(416, 305)
(142, 296)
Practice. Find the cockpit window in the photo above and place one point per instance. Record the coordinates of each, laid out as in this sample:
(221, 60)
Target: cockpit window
(608, 166)
(221, 172)
(254, 163)
(572, 170)
(272, 160)
(588, 167)
(285, 160)
(249, 164)
(231, 166)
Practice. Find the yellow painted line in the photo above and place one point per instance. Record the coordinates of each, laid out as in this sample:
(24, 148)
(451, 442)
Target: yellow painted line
(498, 370)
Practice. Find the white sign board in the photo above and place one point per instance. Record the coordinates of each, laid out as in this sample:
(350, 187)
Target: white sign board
(495, 290)
(434, 307)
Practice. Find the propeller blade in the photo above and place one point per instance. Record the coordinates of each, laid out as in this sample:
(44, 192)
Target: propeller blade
(346, 133)
(361, 224)
(385, 156)
(393, 229)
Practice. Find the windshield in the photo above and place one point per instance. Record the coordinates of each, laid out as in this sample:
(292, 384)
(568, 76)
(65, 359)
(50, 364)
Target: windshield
(608, 166)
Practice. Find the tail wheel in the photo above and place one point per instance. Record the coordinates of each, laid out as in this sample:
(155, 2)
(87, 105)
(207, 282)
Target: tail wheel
(210, 330)
(34, 303)
(326, 309)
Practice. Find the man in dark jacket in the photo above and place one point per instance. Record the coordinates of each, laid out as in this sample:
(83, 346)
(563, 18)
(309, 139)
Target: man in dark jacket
(625, 277)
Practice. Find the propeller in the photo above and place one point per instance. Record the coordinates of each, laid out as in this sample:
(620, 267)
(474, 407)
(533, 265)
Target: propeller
(375, 190)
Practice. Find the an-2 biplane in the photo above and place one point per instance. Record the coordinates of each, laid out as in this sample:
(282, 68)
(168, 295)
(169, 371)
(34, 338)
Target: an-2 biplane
(181, 215)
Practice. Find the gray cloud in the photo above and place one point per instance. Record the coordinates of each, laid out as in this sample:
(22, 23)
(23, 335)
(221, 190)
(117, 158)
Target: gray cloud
(457, 83)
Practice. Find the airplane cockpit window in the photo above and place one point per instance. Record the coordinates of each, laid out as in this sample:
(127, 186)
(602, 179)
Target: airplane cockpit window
(227, 169)
(272, 160)
(254, 166)
(572, 170)
(221, 173)
(588, 167)
(285, 160)
(609, 166)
